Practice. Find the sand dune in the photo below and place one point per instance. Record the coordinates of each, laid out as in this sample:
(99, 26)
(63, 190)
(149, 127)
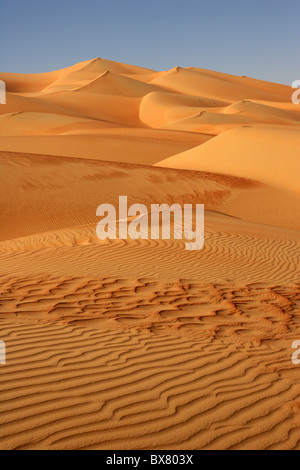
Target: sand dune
(112, 144)
(255, 152)
(109, 83)
(219, 86)
(84, 71)
(140, 344)
(67, 191)
(76, 251)
(110, 94)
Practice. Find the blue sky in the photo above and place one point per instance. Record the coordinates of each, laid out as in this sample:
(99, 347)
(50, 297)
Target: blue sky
(258, 38)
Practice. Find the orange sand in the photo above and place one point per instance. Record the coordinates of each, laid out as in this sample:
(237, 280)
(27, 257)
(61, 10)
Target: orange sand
(141, 344)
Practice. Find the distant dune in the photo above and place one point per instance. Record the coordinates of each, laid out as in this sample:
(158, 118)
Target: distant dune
(124, 344)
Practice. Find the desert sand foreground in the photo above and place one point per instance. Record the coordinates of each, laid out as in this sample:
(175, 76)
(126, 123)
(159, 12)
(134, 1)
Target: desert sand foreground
(140, 344)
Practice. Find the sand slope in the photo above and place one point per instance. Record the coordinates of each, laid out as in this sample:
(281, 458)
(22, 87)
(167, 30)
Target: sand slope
(255, 152)
(124, 344)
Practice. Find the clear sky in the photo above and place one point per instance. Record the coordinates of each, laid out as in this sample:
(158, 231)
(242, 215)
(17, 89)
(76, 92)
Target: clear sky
(257, 38)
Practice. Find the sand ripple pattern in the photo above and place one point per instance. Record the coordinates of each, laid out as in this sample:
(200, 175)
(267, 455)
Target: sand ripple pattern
(133, 364)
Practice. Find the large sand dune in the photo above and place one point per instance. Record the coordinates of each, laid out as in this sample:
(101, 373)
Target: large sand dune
(255, 152)
(124, 344)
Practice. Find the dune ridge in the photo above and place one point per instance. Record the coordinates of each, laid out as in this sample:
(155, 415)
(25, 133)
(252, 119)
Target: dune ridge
(109, 94)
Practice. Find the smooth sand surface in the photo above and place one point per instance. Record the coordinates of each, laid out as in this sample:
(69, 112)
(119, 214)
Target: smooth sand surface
(124, 344)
